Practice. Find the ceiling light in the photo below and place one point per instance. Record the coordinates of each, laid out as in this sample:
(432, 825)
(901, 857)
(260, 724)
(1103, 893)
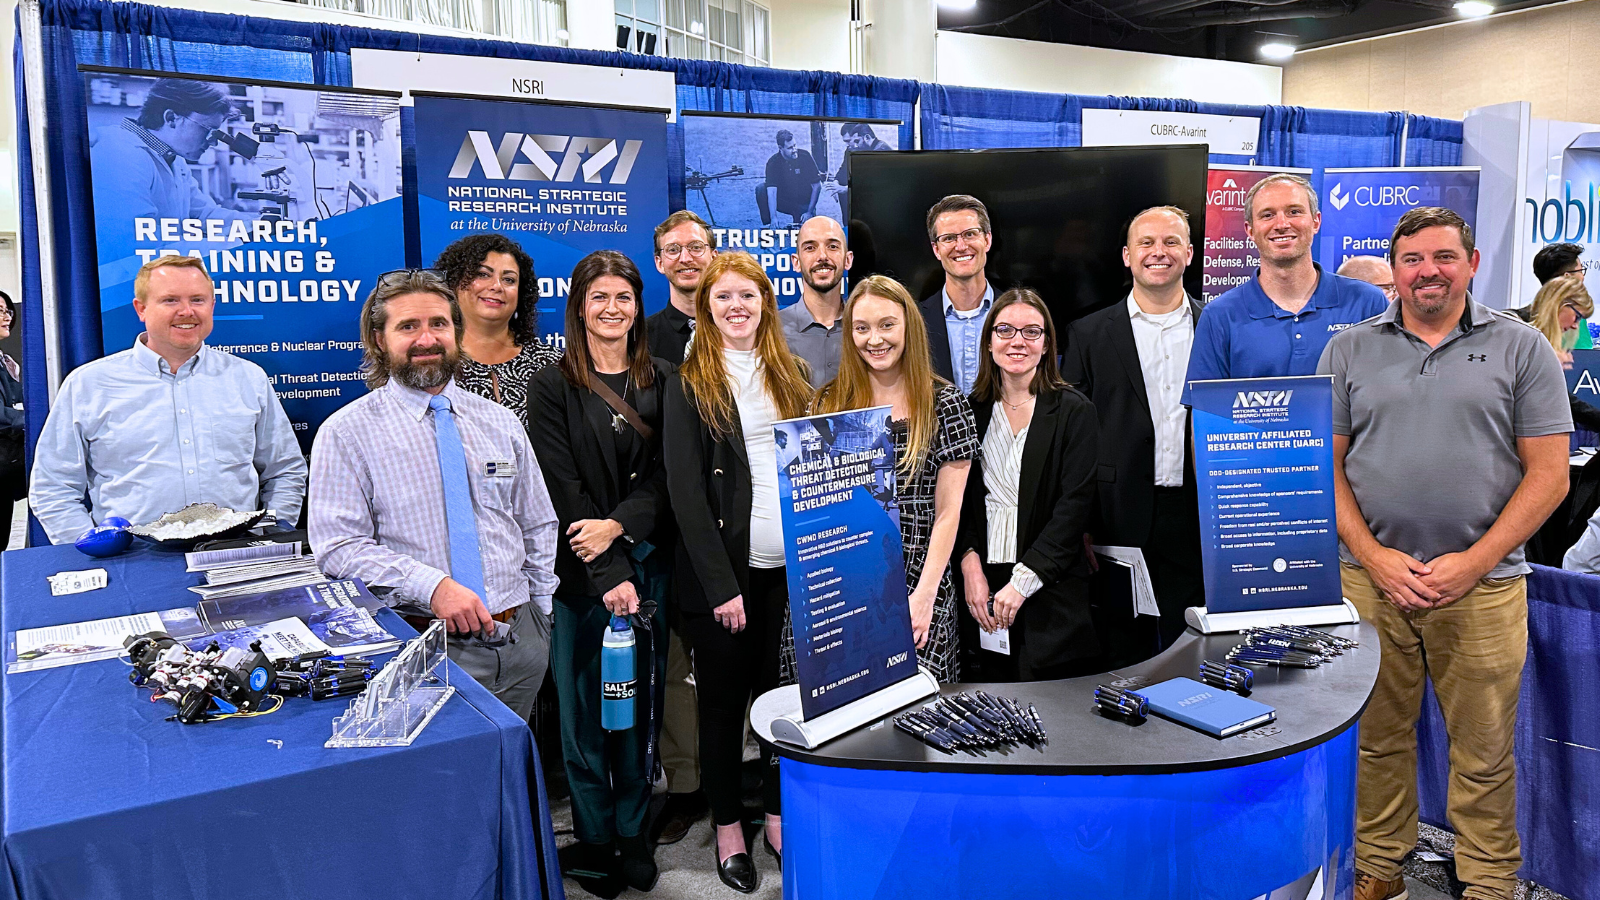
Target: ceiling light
(1474, 9)
(958, 4)
(1277, 50)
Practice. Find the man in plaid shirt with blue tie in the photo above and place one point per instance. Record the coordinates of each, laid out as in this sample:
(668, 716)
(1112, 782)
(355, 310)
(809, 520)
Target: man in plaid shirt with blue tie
(433, 497)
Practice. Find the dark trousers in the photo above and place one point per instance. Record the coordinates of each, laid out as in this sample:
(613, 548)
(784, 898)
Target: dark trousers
(729, 671)
(1016, 666)
(1173, 553)
(606, 770)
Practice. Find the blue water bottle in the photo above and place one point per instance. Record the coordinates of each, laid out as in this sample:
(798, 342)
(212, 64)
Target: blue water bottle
(618, 680)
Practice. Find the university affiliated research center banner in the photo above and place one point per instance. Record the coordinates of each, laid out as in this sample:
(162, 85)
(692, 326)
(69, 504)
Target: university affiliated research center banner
(1228, 257)
(563, 181)
(1264, 468)
(1361, 206)
(757, 179)
(847, 577)
(291, 198)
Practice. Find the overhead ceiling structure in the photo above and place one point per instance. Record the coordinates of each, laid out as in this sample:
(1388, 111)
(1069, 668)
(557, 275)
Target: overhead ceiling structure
(1214, 29)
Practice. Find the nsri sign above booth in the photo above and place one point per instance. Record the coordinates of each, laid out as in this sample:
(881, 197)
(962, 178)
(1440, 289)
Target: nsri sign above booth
(513, 79)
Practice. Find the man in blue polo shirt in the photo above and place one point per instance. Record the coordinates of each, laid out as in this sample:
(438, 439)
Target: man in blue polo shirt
(1278, 322)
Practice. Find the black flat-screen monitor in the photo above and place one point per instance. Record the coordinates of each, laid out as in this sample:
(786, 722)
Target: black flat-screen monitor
(1058, 215)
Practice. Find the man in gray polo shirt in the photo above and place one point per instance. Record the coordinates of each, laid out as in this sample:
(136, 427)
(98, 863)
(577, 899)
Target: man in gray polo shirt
(812, 325)
(1450, 425)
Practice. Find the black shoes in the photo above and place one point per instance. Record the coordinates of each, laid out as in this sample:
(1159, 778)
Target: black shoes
(771, 851)
(678, 816)
(594, 867)
(638, 862)
(737, 871)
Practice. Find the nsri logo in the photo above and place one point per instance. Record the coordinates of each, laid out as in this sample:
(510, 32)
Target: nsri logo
(1257, 399)
(541, 152)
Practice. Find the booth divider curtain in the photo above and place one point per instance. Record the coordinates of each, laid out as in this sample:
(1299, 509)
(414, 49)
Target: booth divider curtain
(1432, 142)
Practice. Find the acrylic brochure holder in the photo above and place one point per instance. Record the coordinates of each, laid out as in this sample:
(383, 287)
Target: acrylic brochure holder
(781, 707)
(400, 700)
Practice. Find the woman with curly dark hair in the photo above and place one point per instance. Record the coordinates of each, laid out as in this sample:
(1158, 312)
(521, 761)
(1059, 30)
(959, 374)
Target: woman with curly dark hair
(498, 293)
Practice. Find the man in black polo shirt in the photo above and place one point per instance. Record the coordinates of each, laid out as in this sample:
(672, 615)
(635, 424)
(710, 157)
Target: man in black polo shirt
(793, 181)
(1450, 426)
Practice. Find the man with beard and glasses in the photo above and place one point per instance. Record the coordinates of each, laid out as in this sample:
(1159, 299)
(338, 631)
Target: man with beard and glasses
(1277, 322)
(684, 247)
(1440, 383)
(812, 326)
(432, 495)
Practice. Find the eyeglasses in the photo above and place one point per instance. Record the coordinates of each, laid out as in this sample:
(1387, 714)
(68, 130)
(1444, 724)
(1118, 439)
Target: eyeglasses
(696, 249)
(1029, 332)
(5, 314)
(971, 236)
(396, 277)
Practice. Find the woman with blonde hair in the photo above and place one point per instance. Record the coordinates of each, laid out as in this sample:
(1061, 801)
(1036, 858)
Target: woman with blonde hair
(1556, 311)
(722, 476)
(935, 441)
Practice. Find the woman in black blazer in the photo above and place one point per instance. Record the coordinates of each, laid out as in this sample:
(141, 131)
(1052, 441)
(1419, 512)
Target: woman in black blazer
(1028, 500)
(13, 474)
(603, 467)
(738, 378)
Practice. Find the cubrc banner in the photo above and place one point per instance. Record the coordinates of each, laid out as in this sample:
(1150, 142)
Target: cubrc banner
(1361, 206)
(562, 181)
(1264, 467)
(1228, 258)
(289, 195)
(847, 577)
(756, 180)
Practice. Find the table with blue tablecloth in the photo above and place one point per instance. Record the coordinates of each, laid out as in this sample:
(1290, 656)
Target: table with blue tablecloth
(105, 798)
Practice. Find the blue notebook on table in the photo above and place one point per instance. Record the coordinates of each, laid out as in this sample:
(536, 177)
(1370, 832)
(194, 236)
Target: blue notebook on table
(1213, 710)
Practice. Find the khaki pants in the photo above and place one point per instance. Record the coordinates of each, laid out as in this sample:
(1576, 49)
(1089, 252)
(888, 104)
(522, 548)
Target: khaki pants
(1473, 650)
(680, 721)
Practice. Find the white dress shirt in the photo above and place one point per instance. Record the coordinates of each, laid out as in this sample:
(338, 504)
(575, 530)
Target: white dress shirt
(377, 507)
(756, 416)
(139, 440)
(1164, 342)
(1002, 472)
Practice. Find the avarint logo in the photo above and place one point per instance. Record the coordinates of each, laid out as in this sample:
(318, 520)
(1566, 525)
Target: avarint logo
(541, 151)
(1338, 199)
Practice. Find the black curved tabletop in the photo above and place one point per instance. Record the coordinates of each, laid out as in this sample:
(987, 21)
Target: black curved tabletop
(1313, 705)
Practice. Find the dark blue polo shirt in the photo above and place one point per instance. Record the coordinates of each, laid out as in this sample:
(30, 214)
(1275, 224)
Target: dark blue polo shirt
(1243, 334)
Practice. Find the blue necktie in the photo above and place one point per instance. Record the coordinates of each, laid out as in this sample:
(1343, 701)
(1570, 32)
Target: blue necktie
(466, 562)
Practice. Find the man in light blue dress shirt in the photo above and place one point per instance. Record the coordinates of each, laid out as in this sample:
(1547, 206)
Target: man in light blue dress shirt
(958, 231)
(165, 423)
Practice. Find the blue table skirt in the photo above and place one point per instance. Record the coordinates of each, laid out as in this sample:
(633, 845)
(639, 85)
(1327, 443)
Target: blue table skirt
(104, 798)
(1558, 738)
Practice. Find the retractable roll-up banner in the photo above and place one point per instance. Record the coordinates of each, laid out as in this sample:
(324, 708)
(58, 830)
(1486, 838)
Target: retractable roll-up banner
(1229, 257)
(561, 180)
(1361, 206)
(847, 577)
(1264, 467)
(757, 179)
(290, 195)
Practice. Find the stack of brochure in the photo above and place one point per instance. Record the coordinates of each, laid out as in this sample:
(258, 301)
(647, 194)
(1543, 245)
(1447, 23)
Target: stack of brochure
(252, 570)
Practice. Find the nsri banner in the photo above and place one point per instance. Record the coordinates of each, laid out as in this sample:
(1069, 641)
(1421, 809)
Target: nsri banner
(562, 181)
(1264, 467)
(756, 180)
(1228, 258)
(847, 577)
(289, 195)
(1361, 206)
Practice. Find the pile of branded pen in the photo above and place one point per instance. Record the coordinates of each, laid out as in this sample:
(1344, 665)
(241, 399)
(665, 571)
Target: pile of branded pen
(1289, 646)
(321, 676)
(973, 722)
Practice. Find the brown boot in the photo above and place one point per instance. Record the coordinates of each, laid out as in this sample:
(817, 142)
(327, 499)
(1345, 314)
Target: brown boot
(1370, 888)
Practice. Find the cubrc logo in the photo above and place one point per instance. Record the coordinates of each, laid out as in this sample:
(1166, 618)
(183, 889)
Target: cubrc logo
(541, 151)
(1339, 201)
(1260, 399)
(1407, 195)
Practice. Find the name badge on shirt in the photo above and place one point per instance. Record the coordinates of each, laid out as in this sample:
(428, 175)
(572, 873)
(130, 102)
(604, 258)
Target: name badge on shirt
(499, 468)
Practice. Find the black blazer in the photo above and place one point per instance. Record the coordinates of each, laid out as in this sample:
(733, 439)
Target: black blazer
(938, 337)
(1055, 498)
(572, 437)
(1102, 360)
(708, 480)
